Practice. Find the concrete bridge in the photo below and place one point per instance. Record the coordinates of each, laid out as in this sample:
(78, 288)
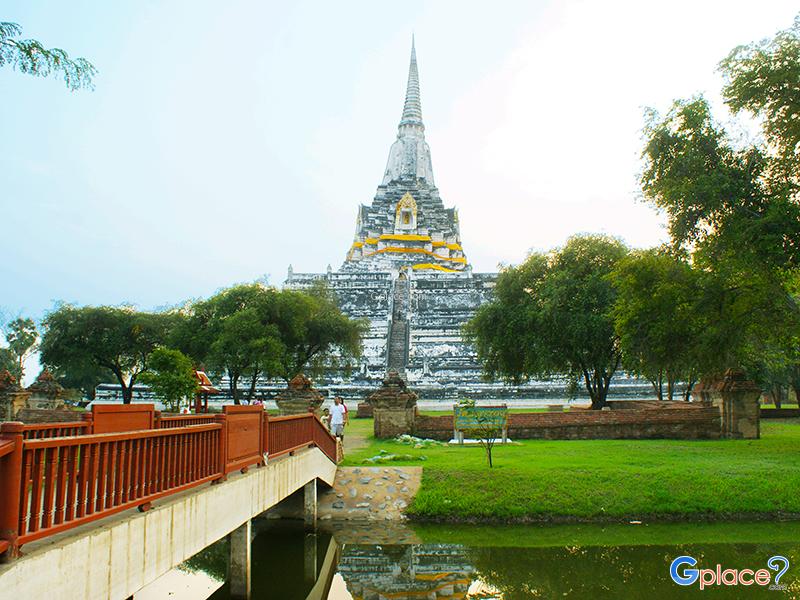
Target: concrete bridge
(137, 529)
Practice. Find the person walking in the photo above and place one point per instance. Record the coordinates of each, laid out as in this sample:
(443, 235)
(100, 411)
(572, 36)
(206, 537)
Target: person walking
(338, 418)
(326, 417)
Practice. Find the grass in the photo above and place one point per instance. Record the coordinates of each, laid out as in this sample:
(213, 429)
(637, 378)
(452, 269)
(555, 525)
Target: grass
(605, 479)
(608, 534)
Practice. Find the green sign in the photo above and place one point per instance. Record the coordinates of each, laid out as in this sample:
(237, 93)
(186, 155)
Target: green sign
(480, 417)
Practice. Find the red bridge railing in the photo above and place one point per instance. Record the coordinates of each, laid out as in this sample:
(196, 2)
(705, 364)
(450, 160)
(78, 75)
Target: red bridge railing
(37, 431)
(61, 475)
(167, 421)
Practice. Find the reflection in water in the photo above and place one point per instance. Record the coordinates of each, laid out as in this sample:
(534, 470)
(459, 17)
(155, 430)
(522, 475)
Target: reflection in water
(353, 564)
(372, 572)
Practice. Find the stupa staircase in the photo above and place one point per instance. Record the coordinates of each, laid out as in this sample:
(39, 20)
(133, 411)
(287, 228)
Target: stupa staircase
(397, 355)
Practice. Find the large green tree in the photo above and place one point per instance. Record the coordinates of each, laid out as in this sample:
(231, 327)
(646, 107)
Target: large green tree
(171, 376)
(31, 57)
(116, 340)
(735, 206)
(657, 321)
(252, 331)
(552, 316)
(233, 334)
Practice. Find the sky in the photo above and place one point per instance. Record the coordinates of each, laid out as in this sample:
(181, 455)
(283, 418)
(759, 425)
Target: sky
(227, 140)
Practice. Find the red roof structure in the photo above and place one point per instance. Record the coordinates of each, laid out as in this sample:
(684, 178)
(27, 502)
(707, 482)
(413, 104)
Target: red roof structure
(204, 388)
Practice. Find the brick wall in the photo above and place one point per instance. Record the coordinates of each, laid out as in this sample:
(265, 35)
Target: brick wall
(695, 422)
(39, 415)
(686, 422)
(435, 428)
(779, 413)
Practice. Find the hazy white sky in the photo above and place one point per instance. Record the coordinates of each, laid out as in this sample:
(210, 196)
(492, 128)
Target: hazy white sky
(227, 140)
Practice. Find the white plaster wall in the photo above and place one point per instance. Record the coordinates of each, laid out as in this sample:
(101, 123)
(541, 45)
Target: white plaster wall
(115, 557)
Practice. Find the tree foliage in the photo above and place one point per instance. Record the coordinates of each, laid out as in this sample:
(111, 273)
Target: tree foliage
(171, 376)
(485, 429)
(252, 331)
(81, 379)
(736, 208)
(316, 335)
(657, 321)
(22, 338)
(552, 315)
(232, 334)
(29, 56)
(115, 340)
(763, 79)
(8, 362)
(714, 194)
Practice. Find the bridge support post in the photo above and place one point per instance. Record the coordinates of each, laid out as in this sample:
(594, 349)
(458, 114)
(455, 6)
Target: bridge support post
(239, 574)
(310, 504)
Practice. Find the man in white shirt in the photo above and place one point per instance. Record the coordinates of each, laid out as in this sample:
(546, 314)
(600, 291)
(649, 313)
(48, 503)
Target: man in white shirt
(338, 418)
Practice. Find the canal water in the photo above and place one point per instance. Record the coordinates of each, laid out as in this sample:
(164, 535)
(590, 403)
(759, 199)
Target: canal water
(343, 561)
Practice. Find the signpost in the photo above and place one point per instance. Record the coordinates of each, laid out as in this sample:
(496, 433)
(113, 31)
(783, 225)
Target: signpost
(480, 418)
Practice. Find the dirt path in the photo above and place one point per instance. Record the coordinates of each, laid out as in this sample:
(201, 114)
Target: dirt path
(354, 438)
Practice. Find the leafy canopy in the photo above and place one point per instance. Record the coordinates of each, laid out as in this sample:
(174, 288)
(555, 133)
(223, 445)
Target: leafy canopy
(257, 331)
(656, 318)
(171, 377)
(763, 79)
(736, 207)
(552, 316)
(117, 340)
(29, 56)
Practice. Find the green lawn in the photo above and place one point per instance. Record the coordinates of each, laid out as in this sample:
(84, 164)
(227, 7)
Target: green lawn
(605, 479)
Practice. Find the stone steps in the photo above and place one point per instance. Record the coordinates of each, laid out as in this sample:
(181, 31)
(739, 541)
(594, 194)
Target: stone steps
(397, 345)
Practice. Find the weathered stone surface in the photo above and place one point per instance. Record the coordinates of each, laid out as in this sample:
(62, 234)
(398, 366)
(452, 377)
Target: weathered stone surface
(736, 399)
(45, 393)
(394, 407)
(12, 397)
(368, 501)
(299, 397)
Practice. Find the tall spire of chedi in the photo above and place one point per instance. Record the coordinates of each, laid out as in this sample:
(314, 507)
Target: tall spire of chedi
(412, 110)
(410, 155)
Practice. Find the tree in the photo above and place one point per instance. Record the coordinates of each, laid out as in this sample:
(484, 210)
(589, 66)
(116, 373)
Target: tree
(8, 362)
(552, 316)
(22, 337)
(656, 319)
(736, 207)
(715, 195)
(252, 331)
(29, 56)
(763, 79)
(83, 379)
(314, 332)
(171, 376)
(117, 340)
(233, 334)
(487, 427)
